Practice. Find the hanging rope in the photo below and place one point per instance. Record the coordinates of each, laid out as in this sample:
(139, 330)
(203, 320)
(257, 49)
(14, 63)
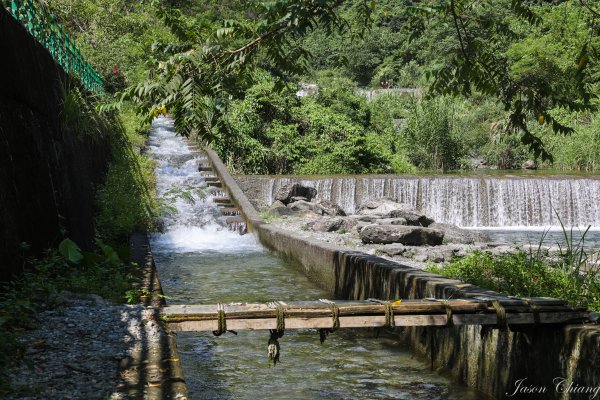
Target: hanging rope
(389, 313)
(273, 348)
(535, 309)
(280, 315)
(502, 322)
(221, 321)
(449, 312)
(335, 316)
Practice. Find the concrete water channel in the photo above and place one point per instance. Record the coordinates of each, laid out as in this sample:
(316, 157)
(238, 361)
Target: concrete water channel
(200, 261)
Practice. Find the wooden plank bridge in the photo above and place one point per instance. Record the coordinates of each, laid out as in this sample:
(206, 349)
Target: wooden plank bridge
(325, 314)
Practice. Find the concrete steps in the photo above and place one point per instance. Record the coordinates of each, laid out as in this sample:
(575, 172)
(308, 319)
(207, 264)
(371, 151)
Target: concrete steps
(230, 211)
(234, 220)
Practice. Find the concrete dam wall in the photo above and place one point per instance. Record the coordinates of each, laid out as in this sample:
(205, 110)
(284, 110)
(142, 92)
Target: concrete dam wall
(468, 201)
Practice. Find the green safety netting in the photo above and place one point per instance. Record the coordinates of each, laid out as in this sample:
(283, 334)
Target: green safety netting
(42, 25)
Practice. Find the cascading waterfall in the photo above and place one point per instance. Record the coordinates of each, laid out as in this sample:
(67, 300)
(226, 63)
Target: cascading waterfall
(192, 220)
(465, 201)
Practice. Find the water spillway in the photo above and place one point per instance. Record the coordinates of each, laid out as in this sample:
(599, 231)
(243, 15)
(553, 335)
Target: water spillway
(471, 201)
(200, 261)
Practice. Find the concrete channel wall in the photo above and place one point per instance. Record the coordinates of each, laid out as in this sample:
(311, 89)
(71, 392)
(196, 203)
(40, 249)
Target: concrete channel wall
(554, 362)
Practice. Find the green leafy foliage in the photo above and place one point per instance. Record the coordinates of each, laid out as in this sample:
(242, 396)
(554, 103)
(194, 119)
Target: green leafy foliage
(273, 131)
(525, 274)
(126, 202)
(534, 61)
(114, 36)
(544, 67)
(430, 136)
(70, 251)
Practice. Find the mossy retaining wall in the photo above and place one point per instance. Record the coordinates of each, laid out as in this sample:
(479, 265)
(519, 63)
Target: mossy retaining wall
(48, 170)
(489, 360)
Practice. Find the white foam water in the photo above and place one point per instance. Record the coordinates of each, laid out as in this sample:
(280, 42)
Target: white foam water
(192, 221)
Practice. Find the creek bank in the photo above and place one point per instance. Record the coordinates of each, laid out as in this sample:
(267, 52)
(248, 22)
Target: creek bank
(79, 348)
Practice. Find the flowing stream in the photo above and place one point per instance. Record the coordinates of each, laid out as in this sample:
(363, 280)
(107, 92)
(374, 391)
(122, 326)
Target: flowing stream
(200, 261)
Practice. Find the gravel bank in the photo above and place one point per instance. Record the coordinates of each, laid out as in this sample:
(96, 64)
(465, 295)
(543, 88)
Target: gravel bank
(89, 349)
(77, 350)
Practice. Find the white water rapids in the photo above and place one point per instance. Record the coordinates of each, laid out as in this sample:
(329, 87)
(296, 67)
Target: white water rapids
(193, 221)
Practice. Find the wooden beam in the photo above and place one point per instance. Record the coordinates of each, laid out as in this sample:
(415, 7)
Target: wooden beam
(316, 315)
(378, 321)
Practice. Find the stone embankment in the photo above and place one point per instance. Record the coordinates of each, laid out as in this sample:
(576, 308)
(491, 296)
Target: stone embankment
(384, 227)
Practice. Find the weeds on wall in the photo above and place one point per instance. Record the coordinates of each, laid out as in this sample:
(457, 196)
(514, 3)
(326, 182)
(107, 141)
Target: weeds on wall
(77, 113)
(127, 201)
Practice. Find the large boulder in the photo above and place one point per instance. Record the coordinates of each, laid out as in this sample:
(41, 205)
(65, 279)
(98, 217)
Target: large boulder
(370, 219)
(278, 208)
(302, 205)
(377, 207)
(328, 224)
(332, 224)
(386, 208)
(391, 221)
(348, 224)
(407, 235)
(412, 216)
(529, 164)
(329, 208)
(286, 192)
(394, 249)
(454, 234)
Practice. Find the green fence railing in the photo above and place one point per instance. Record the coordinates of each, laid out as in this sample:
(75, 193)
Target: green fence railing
(43, 26)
